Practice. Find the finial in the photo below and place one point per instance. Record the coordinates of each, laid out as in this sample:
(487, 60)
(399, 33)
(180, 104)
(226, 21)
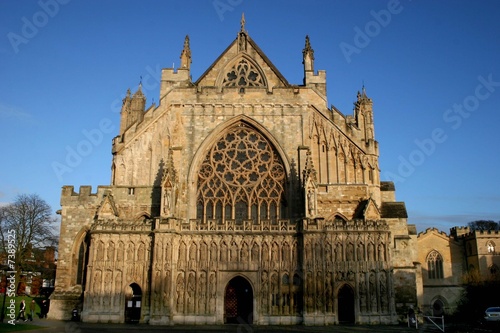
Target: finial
(308, 56)
(186, 54)
(308, 49)
(362, 96)
(242, 22)
(139, 92)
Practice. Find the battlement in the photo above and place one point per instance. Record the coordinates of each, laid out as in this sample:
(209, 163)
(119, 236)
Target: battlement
(487, 232)
(85, 191)
(85, 195)
(170, 74)
(171, 77)
(459, 231)
(429, 230)
(319, 77)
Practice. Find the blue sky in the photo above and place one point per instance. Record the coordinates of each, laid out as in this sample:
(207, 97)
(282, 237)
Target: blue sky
(431, 67)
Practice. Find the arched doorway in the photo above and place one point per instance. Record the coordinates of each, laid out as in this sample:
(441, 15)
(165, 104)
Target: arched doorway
(346, 304)
(438, 308)
(238, 302)
(133, 303)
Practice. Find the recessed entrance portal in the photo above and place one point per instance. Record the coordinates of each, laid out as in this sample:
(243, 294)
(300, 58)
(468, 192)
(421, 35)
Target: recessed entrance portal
(238, 302)
(438, 308)
(133, 303)
(346, 304)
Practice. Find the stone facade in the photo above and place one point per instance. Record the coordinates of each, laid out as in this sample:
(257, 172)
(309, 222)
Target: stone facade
(450, 262)
(239, 198)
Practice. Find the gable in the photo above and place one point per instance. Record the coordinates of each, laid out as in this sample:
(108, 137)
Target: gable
(107, 209)
(242, 65)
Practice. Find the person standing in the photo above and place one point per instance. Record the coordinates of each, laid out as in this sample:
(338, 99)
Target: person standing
(32, 309)
(22, 308)
(45, 309)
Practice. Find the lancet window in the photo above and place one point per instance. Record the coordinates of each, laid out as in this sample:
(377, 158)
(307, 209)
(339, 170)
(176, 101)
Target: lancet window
(435, 265)
(241, 178)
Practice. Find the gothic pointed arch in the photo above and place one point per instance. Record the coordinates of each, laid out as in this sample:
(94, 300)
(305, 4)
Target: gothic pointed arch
(142, 216)
(339, 217)
(169, 187)
(107, 209)
(80, 254)
(435, 265)
(242, 72)
(241, 175)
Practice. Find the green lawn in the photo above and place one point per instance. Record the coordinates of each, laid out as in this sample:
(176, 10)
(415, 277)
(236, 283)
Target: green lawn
(27, 300)
(18, 327)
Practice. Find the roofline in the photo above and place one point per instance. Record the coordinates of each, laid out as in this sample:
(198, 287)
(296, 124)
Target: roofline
(259, 51)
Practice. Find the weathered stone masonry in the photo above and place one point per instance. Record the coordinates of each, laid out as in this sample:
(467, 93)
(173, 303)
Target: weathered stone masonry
(239, 198)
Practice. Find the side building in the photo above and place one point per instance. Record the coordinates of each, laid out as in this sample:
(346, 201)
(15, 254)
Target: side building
(239, 198)
(450, 262)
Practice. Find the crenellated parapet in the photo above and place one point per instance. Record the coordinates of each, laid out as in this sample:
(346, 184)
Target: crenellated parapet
(342, 225)
(83, 196)
(433, 230)
(213, 225)
(135, 226)
(459, 231)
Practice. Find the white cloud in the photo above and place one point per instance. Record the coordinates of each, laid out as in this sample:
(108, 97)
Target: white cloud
(10, 112)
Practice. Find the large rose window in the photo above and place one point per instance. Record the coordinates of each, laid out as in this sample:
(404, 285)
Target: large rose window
(241, 178)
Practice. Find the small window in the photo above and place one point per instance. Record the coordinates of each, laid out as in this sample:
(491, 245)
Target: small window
(131, 191)
(490, 246)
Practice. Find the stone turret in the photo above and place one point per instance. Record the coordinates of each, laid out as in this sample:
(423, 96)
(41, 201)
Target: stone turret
(132, 109)
(308, 58)
(363, 112)
(316, 81)
(171, 78)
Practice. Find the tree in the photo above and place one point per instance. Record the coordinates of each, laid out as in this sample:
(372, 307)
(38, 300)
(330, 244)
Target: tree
(484, 225)
(26, 224)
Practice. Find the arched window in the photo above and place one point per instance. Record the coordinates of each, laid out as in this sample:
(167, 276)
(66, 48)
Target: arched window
(435, 265)
(244, 173)
(490, 245)
(244, 74)
(285, 279)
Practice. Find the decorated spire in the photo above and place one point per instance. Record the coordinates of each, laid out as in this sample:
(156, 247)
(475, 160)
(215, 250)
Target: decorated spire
(362, 95)
(139, 93)
(242, 22)
(242, 35)
(186, 54)
(309, 172)
(308, 56)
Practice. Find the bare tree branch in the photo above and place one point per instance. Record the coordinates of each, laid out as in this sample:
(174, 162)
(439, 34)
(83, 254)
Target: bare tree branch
(30, 217)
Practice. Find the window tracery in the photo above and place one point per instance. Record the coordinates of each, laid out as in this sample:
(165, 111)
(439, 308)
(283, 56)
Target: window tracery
(435, 265)
(243, 74)
(241, 178)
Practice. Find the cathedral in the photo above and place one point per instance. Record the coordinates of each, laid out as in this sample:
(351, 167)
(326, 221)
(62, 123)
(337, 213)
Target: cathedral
(239, 198)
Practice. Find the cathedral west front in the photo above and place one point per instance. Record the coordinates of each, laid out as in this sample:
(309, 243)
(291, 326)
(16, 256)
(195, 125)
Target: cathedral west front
(239, 198)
